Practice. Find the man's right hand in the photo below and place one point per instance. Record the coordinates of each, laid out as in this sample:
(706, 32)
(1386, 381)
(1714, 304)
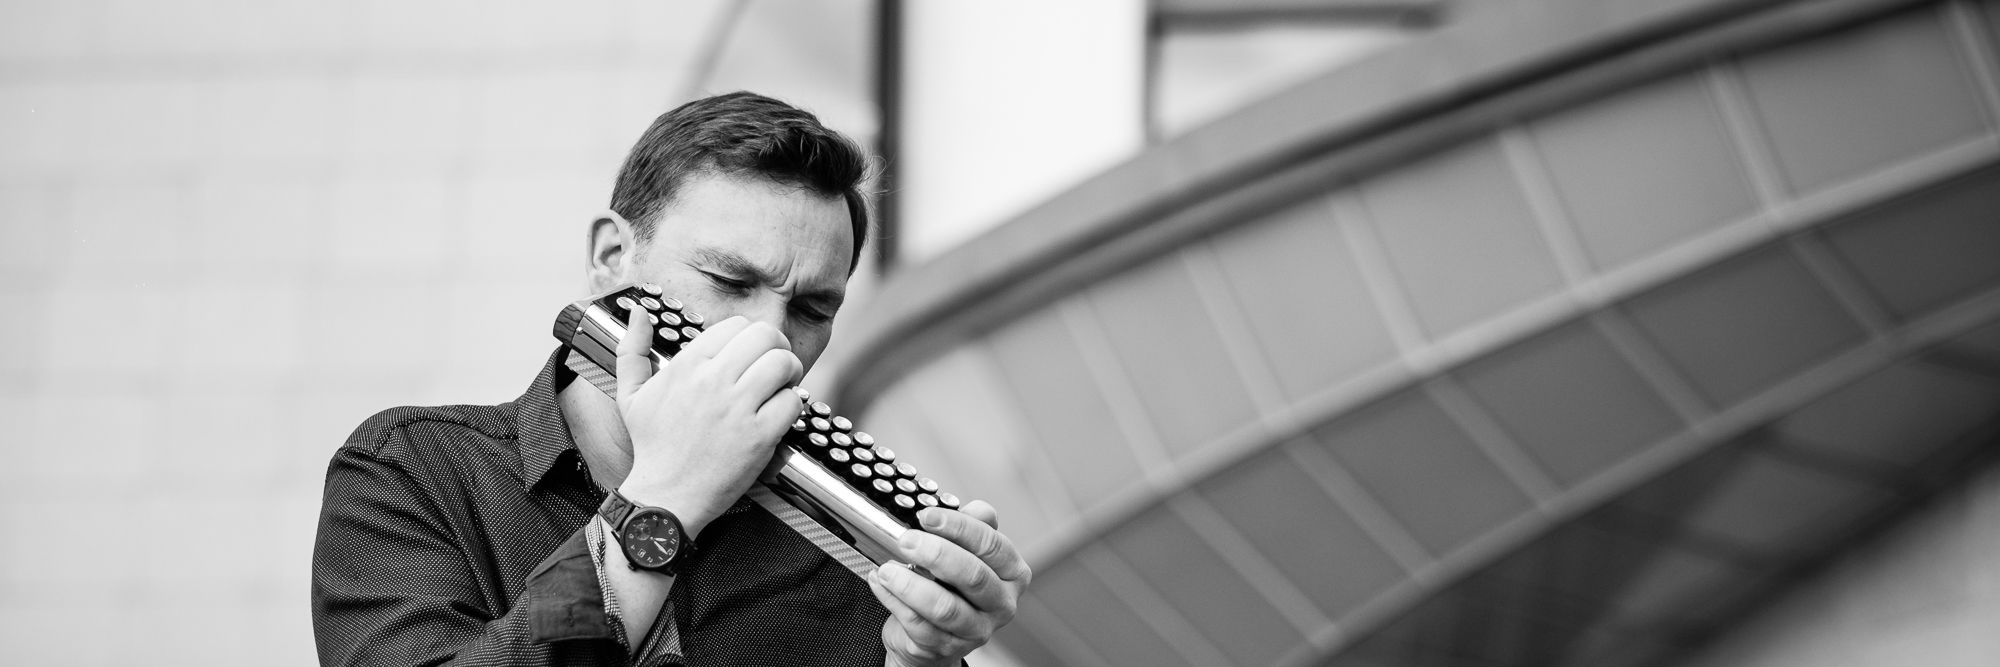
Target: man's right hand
(709, 423)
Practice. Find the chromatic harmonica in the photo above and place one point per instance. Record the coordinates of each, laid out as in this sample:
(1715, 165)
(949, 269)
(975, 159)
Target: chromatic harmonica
(840, 477)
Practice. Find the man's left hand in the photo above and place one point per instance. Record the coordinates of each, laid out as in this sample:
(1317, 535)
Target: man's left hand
(930, 624)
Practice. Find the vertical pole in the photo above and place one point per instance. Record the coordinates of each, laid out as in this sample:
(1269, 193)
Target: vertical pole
(888, 136)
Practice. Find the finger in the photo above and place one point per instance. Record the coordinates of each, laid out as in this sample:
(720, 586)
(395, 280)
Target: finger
(956, 566)
(749, 344)
(905, 616)
(931, 614)
(984, 512)
(773, 372)
(781, 409)
(635, 354)
(908, 633)
(712, 339)
(991, 546)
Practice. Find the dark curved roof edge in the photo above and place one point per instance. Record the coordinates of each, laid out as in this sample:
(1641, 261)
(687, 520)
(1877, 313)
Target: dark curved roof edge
(1511, 61)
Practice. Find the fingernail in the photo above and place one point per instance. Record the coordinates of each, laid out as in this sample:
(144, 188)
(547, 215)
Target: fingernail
(931, 519)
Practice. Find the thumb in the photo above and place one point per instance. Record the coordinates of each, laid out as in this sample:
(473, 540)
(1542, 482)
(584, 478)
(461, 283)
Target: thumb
(635, 355)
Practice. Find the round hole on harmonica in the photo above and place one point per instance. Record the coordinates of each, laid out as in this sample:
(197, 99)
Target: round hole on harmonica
(927, 500)
(689, 332)
(670, 319)
(906, 469)
(649, 303)
(883, 453)
(669, 335)
(816, 439)
(652, 289)
(883, 486)
(885, 469)
(627, 303)
(927, 484)
(905, 502)
(864, 439)
(837, 454)
(842, 440)
(906, 486)
(842, 423)
(861, 470)
(819, 424)
(692, 318)
(947, 500)
(860, 453)
(822, 409)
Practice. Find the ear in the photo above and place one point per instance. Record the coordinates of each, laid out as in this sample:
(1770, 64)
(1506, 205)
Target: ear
(612, 245)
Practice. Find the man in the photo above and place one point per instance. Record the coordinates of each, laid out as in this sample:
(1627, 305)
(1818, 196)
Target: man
(483, 535)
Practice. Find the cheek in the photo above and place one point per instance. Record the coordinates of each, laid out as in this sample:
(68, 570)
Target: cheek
(808, 342)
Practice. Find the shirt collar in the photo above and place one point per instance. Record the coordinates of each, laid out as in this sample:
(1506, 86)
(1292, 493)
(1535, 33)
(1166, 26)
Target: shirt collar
(543, 434)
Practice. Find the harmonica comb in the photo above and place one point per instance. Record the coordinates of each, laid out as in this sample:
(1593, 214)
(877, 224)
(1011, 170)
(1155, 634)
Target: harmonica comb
(851, 485)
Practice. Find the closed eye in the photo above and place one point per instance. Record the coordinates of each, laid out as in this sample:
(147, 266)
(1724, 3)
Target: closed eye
(812, 314)
(726, 283)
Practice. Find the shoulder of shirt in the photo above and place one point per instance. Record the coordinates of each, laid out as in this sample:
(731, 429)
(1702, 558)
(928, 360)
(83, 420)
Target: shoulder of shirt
(392, 428)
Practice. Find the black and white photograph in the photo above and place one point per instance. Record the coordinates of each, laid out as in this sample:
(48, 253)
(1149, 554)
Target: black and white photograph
(1037, 333)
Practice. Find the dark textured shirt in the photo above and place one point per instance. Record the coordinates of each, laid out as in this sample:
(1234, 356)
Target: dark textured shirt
(455, 535)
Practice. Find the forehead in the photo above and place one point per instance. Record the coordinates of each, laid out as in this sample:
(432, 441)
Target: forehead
(778, 227)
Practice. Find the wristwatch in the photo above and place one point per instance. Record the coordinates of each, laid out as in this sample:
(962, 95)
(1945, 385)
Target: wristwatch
(652, 537)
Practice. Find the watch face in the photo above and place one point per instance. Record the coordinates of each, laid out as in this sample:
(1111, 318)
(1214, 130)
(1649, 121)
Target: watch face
(651, 539)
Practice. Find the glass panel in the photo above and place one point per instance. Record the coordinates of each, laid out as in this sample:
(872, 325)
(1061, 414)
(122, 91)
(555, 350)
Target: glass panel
(1859, 100)
(1404, 450)
(1461, 237)
(1740, 326)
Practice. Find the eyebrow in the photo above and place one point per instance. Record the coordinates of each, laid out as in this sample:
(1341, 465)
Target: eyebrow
(744, 269)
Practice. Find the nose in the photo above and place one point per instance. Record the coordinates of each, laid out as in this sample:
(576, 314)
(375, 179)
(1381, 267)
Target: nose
(769, 308)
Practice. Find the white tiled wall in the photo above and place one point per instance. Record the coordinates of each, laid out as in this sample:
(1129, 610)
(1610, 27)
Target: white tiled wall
(232, 229)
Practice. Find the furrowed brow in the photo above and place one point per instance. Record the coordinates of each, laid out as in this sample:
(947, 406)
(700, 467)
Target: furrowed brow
(734, 264)
(746, 270)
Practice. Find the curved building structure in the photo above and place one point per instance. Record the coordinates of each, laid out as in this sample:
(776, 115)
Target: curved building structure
(1563, 334)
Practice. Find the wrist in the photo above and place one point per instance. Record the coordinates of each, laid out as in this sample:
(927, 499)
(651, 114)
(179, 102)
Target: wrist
(693, 513)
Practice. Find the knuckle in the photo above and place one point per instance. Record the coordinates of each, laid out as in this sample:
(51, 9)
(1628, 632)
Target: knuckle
(981, 579)
(929, 549)
(1004, 614)
(762, 332)
(944, 611)
(987, 544)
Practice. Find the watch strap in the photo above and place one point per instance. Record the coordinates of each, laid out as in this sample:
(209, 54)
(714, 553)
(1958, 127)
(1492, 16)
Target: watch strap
(617, 510)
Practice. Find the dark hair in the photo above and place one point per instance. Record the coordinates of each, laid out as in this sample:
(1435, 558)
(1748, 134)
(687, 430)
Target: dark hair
(736, 134)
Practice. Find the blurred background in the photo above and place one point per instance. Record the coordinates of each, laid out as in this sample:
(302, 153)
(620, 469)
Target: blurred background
(1283, 332)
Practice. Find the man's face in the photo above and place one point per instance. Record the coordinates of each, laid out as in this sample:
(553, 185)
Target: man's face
(777, 254)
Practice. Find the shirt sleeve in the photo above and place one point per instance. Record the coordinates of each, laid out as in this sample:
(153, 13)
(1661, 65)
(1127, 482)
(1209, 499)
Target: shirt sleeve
(662, 643)
(391, 587)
